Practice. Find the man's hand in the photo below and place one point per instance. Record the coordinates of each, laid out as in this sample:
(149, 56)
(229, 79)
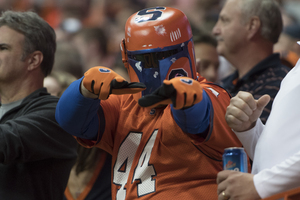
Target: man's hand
(235, 185)
(100, 82)
(181, 91)
(244, 110)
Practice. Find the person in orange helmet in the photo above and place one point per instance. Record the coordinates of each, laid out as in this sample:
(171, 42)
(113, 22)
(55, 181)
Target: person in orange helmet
(165, 129)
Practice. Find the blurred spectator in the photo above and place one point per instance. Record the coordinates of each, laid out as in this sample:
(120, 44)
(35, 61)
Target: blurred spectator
(91, 43)
(246, 32)
(225, 68)
(71, 15)
(207, 58)
(293, 31)
(67, 58)
(287, 18)
(117, 13)
(292, 7)
(90, 178)
(287, 44)
(97, 14)
(58, 81)
(202, 14)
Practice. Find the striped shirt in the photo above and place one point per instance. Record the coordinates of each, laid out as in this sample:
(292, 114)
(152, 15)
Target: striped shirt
(264, 78)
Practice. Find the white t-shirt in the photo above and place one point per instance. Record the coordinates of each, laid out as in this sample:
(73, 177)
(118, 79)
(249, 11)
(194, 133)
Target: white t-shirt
(275, 147)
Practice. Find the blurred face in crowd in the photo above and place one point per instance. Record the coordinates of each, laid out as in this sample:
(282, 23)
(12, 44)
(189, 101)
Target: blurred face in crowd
(82, 46)
(11, 50)
(52, 85)
(229, 29)
(207, 61)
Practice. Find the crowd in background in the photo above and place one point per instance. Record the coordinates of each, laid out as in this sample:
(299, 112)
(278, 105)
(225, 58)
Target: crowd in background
(89, 33)
(100, 23)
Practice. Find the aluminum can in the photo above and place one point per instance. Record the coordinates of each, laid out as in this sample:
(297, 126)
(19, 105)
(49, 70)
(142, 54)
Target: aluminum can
(235, 158)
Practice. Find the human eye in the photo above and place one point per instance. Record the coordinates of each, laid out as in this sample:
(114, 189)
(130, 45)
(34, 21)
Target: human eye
(3, 47)
(204, 64)
(224, 19)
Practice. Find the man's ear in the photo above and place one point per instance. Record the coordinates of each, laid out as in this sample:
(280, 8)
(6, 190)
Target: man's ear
(34, 60)
(254, 26)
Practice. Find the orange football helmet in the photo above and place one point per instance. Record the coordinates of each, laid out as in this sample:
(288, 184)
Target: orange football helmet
(158, 45)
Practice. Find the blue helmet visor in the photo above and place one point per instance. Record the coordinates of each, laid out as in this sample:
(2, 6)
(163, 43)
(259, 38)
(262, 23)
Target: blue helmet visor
(152, 65)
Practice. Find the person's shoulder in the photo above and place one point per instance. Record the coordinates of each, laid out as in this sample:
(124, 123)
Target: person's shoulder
(280, 70)
(274, 68)
(41, 98)
(214, 89)
(284, 68)
(277, 64)
(46, 97)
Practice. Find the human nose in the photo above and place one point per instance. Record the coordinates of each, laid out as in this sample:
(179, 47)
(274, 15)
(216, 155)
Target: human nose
(212, 73)
(216, 29)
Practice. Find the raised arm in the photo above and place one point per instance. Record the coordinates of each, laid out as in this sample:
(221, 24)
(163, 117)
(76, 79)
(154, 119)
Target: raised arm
(189, 103)
(77, 108)
(78, 114)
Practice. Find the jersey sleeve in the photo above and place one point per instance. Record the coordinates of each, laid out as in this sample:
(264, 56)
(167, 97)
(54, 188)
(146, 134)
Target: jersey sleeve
(195, 119)
(76, 114)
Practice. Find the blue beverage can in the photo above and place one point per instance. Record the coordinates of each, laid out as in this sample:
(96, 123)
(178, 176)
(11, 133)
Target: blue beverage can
(235, 158)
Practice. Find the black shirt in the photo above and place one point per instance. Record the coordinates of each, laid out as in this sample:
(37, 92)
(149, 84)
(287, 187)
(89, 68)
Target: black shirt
(36, 154)
(264, 78)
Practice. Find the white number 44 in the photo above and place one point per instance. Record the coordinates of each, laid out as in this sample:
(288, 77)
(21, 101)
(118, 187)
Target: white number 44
(143, 172)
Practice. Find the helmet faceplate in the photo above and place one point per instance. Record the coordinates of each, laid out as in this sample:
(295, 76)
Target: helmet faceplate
(157, 46)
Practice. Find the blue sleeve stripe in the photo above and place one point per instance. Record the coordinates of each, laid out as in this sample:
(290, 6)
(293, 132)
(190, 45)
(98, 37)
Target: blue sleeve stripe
(76, 114)
(194, 119)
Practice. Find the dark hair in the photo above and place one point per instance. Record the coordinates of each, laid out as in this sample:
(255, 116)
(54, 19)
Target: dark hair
(205, 37)
(68, 59)
(63, 78)
(39, 35)
(92, 34)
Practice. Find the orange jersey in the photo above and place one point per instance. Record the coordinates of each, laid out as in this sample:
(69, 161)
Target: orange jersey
(152, 158)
